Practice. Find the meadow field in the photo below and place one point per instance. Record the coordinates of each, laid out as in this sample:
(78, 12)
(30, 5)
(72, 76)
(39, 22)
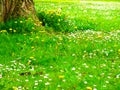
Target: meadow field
(76, 47)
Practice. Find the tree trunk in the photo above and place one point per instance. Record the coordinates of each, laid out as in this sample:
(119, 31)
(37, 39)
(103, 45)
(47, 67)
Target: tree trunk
(16, 8)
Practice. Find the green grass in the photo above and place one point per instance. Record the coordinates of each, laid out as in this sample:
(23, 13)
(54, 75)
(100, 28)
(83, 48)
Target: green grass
(85, 59)
(99, 16)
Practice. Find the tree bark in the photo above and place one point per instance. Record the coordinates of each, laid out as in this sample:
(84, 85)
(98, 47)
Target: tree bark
(16, 8)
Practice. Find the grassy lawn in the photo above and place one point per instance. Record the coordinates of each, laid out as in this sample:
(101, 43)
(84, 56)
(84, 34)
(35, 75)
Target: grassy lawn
(85, 58)
(99, 16)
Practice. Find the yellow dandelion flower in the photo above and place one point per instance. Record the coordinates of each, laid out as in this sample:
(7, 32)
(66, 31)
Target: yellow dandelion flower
(14, 88)
(29, 62)
(4, 31)
(75, 27)
(99, 36)
(31, 57)
(40, 22)
(32, 47)
(118, 50)
(61, 76)
(21, 21)
(10, 29)
(37, 37)
(14, 31)
(88, 88)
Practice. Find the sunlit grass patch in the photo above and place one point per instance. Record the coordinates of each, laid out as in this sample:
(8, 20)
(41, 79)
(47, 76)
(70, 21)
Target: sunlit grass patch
(87, 15)
(59, 0)
(88, 58)
(77, 60)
